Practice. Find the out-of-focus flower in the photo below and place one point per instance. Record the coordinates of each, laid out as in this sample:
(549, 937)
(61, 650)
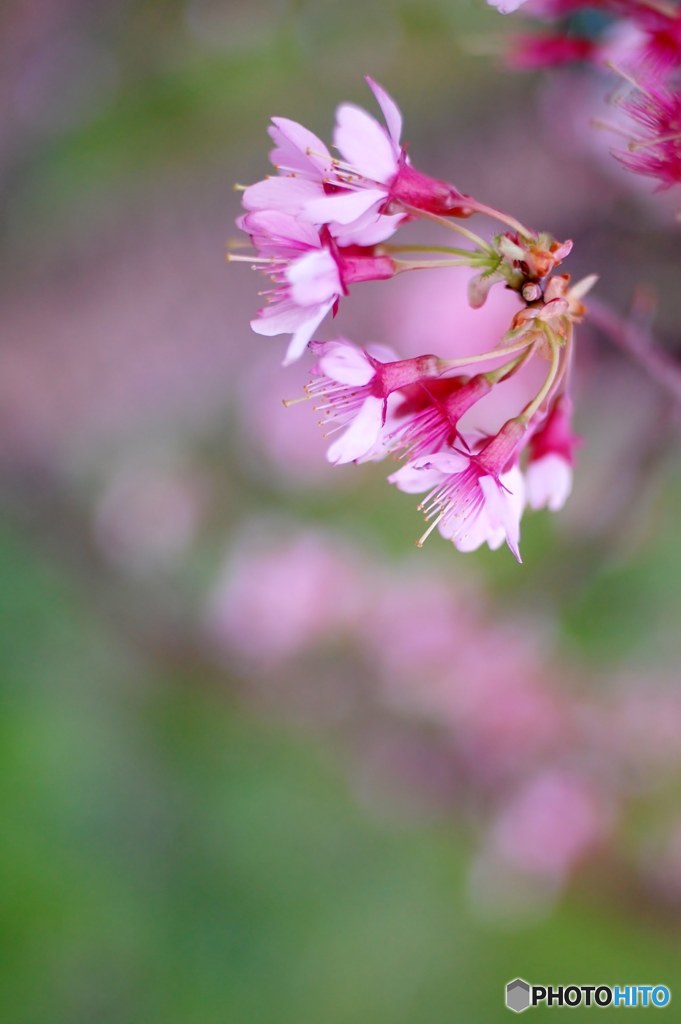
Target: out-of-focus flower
(528, 52)
(149, 514)
(551, 457)
(276, 599)
(352, 386)
(506, 6)
(654, 148)
(550, 824)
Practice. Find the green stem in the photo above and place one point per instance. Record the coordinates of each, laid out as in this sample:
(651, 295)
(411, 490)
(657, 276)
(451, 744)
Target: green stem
(546, 388)
(446, 249)
(403, 265)
(451, 226)
(505, 218)
(483, 357)
(511, 367)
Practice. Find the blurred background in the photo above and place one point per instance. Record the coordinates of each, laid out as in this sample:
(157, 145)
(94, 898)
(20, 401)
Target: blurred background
(260, 760)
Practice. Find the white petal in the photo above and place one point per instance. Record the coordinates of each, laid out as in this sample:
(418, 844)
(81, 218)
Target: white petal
(427, 471)
(289, 195)
(297, 148)
(360, 436)
(314, 278)
(504, 507)
(342, 208)
(365, 145)
(369, 229)
(280, 318)
(549, 482)
(345, 363)
(298, 342)
(280, 231)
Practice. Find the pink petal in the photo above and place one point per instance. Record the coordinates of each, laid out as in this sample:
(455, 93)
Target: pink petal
(369, 229)
(277, 230)
(365, 145)
(428, 471)
(288, 195)
(549, 482)
(342, 208)
(391, 112)
(300, 339)
(360, 436)
(297, 148)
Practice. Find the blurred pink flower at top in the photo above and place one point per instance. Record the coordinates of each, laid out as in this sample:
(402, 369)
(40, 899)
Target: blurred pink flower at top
(551, 824)
(275, 600)
(506, 6)
(654, 148)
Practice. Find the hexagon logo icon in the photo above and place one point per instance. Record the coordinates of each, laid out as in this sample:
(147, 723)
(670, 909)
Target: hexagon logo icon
(517, 995)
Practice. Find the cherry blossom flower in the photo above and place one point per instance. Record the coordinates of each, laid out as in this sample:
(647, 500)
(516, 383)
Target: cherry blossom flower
(306, 226)
(306, 173)
(549, 471)
(353, 385)
(375, 175)
(473, 498)
(310, 274)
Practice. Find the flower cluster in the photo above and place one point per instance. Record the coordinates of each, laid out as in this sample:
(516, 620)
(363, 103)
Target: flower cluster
(638, 39)
(322, 225)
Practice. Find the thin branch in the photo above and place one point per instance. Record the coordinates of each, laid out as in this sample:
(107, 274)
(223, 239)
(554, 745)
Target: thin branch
(662, 367)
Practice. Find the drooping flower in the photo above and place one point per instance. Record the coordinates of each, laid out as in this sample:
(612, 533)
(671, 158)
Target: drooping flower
(473, 498)
(310, 272)
(426, 421)
(352, 386)
(375, 175)
(548, 476)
